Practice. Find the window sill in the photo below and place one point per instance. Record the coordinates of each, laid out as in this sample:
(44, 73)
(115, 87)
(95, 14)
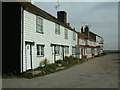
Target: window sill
(57, 54)
(40, 32)
(40, 55)
(57, 34)
(73, 54)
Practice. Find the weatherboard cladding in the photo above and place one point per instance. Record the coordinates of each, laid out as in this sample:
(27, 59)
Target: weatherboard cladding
(35, 10)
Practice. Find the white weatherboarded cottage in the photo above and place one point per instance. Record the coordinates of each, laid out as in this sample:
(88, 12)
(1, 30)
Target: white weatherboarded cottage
(40, 36)
(50, 40)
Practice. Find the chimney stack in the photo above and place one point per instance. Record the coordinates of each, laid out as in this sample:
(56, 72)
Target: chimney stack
(82, 29)
(62, 16)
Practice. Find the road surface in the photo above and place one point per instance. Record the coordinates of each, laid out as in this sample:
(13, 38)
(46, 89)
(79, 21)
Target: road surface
(101, 72)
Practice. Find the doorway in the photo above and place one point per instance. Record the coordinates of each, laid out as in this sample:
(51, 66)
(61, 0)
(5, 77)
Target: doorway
(28, 56)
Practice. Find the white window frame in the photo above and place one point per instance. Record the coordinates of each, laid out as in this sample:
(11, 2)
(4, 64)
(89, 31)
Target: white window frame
(40, 50)
(39, 24)
(57, 50)
(88, 50)
(67, 50)
(57, 29)
(66, 33)
(73, 50)
(83, 41)
(74, 35)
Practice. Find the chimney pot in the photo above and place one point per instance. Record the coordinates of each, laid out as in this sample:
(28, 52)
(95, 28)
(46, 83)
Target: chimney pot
(68, 24)
(82, 29)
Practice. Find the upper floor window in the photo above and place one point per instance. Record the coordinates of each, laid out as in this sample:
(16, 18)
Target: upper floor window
(40, 50)
(66, 33)
(39, 24)
(74, 36)
(57, 29)
(83, 41)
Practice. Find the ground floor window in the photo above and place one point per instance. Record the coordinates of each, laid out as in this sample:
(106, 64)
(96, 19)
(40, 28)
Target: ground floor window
(57, 50)
(40, 50)
(73, 50)
(66, 50)
(88, 50)
(92, 51)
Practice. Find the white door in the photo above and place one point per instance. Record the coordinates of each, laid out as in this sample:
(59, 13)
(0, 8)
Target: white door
(28, 57)
(53, 54)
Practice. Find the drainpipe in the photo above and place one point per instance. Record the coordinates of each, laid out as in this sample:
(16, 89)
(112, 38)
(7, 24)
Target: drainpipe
(54, 54)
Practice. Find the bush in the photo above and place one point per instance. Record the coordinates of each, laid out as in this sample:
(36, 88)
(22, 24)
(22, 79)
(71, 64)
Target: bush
(68, 59)
(44, 62)
(58, 61)
(27, 75)
(50, 68)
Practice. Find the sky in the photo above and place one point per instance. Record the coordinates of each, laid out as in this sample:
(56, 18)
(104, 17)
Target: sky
(102, 17)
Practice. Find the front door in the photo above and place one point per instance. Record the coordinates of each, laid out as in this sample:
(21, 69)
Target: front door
(28, 56)
(82, 52)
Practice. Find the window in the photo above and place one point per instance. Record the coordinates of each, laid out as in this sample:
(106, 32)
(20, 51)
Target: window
(88, 50)
(39, 24)
(66, 50)
(74, 36)
(86, 42)
(73, 50)
(83, 41)
(66, 33)
(57, 29)
(40, 50)
(57, 50)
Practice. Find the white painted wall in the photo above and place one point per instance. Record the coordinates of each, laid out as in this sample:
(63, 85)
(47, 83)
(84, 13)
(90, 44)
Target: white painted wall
(82, 41)
(46, 39)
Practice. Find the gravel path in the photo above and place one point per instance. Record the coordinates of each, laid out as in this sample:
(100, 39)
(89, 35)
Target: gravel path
(101, 72)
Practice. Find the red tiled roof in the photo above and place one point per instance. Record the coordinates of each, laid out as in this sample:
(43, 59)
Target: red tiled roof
(88, 46)
(81, 35)
(91, 39)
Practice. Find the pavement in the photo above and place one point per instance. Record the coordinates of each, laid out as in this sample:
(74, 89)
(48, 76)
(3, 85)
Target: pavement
(100, 72)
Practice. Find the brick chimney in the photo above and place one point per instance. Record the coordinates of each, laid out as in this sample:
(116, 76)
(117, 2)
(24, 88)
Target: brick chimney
(86, 28)
(62, 16)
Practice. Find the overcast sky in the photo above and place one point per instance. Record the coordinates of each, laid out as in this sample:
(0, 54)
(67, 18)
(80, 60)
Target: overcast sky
(102, 17)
